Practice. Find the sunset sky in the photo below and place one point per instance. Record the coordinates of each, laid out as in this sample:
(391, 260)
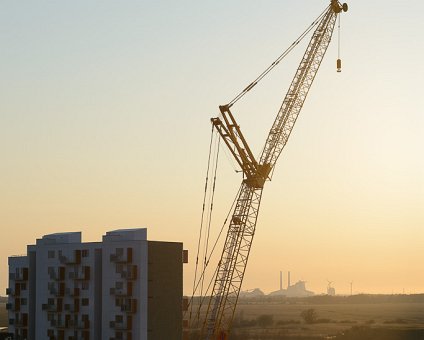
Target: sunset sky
(105, 111)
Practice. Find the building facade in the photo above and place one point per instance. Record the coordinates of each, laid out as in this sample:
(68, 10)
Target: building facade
(124, 287)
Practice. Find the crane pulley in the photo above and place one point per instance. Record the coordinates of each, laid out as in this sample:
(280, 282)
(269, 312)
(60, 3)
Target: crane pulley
(231, 268)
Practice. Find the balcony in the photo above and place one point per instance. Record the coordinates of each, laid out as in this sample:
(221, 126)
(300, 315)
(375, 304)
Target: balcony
(82, 275)
(121, 325)
(53, 307)
(14, 307)
(73, 259)
(120, 335)
(20, 275)
(129, 307)
(121, 292)
(73, 307)
(130, 273)
(57, 274)
(74, 292)
(83, 324)
(21, 333)
(59, 335)
(121, 257)
(60, 324)
(22, 321)
(58, 289)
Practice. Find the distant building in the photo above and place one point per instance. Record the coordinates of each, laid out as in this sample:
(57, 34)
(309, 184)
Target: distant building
(124, 287)
(253, 293)
(296, 290)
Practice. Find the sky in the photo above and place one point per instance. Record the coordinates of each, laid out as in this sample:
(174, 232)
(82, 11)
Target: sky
(105, 111)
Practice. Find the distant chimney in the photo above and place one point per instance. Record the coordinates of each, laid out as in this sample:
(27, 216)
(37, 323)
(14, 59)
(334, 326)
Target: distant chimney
(281, 280)
(288, 280)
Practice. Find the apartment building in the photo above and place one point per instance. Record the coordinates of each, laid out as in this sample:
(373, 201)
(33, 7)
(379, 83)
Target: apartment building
(124, 287)
(18, 292)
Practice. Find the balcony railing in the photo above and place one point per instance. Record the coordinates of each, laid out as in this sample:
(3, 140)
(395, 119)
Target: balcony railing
(83, 274)
(56, 306)
(57, 274)
(73, 307)
(121, 291)
(75, 258)
(130, 273)
(22, 320)
(14, 307)
(122, 258)
(121, 325)
(21, 275)
(75, 292)
(130, 308)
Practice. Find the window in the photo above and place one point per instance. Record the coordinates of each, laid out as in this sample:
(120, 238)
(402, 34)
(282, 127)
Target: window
(119, 318)
(85, 253)
(119, 251)
(84, 301)
(24, 301)
(23, 286)
(119, 285)
(50, 254)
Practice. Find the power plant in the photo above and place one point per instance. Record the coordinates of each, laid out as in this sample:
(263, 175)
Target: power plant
(296, 290)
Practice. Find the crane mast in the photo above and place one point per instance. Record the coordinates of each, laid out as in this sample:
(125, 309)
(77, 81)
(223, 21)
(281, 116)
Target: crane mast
(235, 254)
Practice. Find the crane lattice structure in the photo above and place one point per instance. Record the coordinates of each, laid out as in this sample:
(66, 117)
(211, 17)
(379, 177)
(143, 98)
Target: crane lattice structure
(235, 254)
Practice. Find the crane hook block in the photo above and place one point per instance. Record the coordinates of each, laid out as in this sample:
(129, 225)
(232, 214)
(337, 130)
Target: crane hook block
(345, 7)
(339, 65)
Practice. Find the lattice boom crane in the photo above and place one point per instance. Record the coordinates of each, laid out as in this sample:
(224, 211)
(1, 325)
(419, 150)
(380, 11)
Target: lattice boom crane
(232, 265)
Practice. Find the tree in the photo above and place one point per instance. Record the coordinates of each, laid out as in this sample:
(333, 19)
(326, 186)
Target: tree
(265, 320)
(309, 315)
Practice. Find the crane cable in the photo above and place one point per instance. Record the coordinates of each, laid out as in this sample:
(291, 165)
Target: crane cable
(203, 211)
(196, 286)
(210, 208)
(212, 167)
(338, 42)
(277, 61)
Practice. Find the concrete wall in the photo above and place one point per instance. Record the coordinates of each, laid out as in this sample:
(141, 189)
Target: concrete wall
(165, 290)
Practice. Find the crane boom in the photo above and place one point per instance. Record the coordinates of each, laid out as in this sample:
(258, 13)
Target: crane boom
(232, 265)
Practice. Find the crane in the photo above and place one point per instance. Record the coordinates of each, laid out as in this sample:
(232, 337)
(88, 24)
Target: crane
(231, 268)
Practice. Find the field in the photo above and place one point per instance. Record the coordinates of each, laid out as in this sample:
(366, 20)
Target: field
(330, 318)
(335, 318)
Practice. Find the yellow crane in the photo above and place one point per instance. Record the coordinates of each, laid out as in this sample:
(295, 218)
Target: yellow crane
(231, 268)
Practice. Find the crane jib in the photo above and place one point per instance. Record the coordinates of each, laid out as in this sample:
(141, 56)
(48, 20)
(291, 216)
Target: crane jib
(232, 265)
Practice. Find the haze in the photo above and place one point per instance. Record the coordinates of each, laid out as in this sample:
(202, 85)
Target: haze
(104, 123)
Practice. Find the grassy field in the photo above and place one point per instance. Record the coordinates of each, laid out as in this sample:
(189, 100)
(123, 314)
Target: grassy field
(334, 319)
(276, 320)
(330, 319)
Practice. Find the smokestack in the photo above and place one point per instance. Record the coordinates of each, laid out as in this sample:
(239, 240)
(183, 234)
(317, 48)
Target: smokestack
(281, 280)
(288, 280)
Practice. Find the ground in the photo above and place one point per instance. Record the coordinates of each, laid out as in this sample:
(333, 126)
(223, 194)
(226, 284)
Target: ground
(344, 318)
(361, 318)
